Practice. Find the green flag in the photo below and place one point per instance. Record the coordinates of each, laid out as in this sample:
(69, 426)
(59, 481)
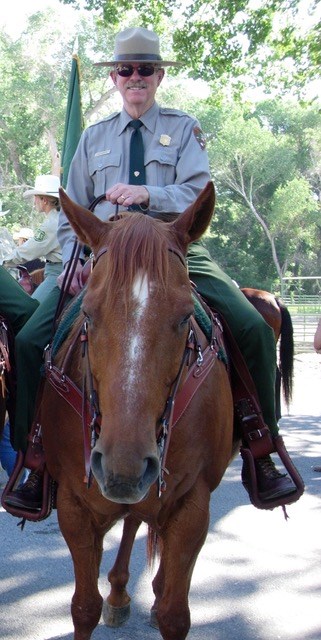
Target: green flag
(74, 123)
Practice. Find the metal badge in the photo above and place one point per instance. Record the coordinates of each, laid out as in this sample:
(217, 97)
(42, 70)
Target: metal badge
(165, 140)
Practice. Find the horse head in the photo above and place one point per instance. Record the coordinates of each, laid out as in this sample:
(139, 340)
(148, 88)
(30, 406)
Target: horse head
(138, 305)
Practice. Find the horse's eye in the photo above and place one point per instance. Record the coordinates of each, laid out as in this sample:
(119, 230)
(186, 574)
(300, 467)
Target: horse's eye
(185, 320)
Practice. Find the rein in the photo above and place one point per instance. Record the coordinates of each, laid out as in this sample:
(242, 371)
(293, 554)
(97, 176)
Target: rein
(181, 396)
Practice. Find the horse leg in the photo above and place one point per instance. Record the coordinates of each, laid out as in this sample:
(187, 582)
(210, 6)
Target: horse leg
(85, 542)
(116, 609)
(182, 539)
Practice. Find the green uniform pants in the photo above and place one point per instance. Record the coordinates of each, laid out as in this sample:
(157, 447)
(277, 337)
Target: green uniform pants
(32, 325)
(253, 335)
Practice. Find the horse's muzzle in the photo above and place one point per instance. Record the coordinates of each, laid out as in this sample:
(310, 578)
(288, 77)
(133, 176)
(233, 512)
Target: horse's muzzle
(120, 488)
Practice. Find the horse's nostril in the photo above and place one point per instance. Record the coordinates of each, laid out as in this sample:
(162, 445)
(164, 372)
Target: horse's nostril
(125, 484)
(95, 463)
(152, 469)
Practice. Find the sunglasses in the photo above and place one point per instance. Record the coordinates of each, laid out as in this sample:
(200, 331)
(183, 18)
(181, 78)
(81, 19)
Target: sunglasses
(144, 70)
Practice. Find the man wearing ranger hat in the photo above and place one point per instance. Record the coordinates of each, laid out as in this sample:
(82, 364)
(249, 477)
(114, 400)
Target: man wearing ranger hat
(153, 159)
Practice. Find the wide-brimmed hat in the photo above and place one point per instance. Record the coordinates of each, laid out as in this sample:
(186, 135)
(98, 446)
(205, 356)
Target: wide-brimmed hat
(46, 185)
(137, 44)
(25, 232)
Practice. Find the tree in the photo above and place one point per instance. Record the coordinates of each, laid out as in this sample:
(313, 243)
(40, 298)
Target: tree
(263, 176)
(228, 41)
(34, 76)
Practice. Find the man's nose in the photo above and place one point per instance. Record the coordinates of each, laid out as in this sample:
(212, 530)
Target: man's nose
(136, 75)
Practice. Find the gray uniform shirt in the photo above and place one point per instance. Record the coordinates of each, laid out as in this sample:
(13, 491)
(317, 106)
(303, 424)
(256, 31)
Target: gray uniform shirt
(44, 244)
(175, 158)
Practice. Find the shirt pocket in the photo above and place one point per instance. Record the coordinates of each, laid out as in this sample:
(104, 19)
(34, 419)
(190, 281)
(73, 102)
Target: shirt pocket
(161, 166)
(104, 171)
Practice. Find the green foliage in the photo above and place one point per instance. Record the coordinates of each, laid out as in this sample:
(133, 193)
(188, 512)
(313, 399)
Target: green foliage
(265, 157)
(224, 41)
(263, 166)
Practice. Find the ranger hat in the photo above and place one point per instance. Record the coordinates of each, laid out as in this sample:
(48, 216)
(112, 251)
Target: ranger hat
(46, 185)
(137, 44)
(24, 232)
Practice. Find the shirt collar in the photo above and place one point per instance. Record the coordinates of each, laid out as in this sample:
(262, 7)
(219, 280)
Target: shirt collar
(149, 118)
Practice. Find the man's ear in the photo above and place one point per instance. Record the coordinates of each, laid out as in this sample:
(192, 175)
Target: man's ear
(113, 76)
(160, 75)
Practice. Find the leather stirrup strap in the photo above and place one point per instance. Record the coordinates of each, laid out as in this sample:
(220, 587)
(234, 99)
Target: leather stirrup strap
(255, 433)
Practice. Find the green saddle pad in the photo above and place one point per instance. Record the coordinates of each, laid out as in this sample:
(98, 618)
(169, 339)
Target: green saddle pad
(71, 314)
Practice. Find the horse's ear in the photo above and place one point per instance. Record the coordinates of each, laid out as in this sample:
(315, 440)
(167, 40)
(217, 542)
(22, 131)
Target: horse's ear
(191, 224)
(85, 224)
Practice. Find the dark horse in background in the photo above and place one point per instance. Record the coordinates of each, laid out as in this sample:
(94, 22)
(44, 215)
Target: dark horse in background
(134, 333)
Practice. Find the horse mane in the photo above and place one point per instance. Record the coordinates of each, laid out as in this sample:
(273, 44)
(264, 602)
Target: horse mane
(136, 243)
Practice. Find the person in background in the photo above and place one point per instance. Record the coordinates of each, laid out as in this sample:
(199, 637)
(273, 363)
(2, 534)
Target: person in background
(21, 309)
(174, 168)
(7, 453)
(44, 242)
(20, 237)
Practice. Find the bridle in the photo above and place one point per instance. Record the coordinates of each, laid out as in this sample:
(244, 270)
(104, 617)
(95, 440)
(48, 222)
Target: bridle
(86, 403)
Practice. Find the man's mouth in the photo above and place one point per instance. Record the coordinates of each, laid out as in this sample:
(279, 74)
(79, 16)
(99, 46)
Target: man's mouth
(136, 85)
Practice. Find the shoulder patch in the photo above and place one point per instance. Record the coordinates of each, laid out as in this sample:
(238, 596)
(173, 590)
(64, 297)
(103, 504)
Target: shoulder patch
(199, 135)
(40, 235)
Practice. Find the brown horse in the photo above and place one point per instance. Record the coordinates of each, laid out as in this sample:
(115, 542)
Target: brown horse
(137, 310)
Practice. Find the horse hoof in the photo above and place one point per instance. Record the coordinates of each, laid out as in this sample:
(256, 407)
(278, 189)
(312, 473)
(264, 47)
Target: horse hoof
(153, 619)
(115, 616)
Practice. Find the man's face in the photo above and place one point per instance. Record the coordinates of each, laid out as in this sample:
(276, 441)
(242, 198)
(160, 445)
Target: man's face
(138, 91)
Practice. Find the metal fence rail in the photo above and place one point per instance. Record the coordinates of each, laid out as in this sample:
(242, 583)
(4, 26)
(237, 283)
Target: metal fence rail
(305, 312)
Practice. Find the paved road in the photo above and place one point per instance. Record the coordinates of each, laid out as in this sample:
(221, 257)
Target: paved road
(257, 578)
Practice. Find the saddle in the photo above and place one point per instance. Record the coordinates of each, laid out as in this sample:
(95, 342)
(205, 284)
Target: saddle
(249, 425)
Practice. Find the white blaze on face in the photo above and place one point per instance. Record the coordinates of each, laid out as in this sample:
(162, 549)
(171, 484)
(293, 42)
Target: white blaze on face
(135, 348)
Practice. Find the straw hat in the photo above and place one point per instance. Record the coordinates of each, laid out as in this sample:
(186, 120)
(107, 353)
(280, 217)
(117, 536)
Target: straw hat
(137, 44)
(24, 232)
(47, 185)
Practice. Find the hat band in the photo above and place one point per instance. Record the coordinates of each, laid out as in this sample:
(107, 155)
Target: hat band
(123, 57)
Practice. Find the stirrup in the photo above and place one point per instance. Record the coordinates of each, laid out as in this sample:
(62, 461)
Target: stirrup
(252, 488)
(48, 494)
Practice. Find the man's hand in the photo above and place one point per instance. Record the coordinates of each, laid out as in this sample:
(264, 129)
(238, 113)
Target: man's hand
(75, 285)
(128, 194)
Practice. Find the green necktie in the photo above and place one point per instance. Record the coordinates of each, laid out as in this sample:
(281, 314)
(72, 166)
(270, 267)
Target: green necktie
(136, 155)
